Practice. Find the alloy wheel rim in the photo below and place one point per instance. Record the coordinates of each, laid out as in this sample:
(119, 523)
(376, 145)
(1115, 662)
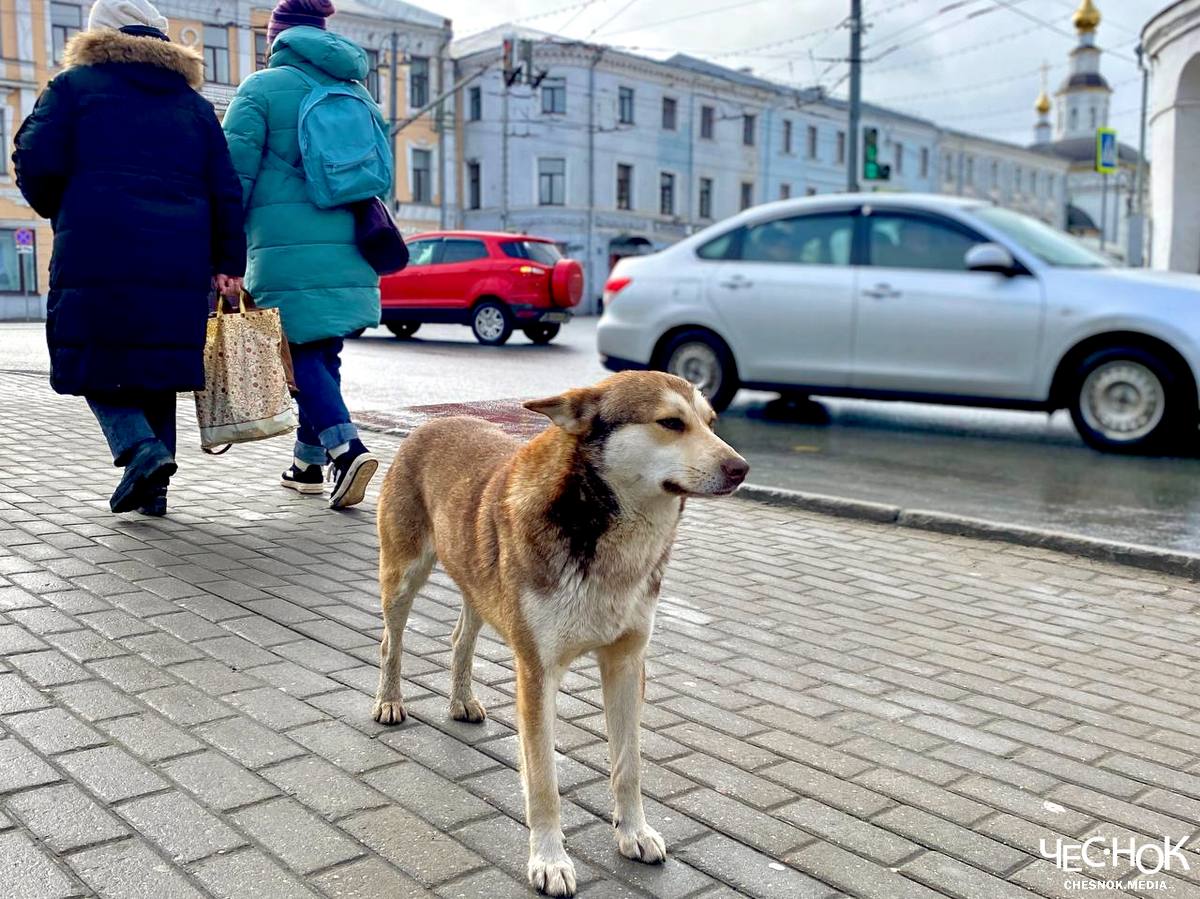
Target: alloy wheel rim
(698, 363)
(1122, 400)
(489, 322)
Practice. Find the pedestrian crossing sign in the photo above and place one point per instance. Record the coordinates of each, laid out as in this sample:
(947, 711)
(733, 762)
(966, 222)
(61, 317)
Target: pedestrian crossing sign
(1106, 150)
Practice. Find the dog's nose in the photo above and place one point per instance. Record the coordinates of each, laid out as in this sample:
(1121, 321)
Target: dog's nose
(735, 470)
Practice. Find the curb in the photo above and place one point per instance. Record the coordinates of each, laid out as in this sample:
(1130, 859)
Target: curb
(1131, 554)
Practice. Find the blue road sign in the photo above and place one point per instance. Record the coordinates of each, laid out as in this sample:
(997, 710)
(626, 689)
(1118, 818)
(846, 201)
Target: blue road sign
(1106, 150)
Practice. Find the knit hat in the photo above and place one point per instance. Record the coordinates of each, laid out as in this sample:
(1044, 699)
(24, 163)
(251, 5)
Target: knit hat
(116, 14)
(288, 13)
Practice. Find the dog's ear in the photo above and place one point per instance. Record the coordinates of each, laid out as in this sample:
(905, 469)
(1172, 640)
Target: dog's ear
(572, 411)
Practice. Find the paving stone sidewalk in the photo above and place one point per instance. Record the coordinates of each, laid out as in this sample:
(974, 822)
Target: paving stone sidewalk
(834, 707)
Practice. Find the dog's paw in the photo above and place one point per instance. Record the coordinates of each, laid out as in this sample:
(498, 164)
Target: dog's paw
(389, 711)
(644, 845)
(553, 875)
(469, 710)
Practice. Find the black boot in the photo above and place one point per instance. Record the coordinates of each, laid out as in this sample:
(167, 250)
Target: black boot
(155, 504)
(150, 466)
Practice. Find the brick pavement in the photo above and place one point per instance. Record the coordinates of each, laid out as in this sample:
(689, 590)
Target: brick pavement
(835, 708)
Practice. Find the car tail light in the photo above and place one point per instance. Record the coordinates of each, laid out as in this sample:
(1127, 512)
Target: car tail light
(614, 287)
(531, 270)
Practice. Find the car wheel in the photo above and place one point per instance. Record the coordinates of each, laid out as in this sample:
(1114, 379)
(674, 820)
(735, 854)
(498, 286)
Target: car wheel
(403, 330)
(702, 358)
(541, 334)
(354, 335)
(1128, 400)
(491, 323)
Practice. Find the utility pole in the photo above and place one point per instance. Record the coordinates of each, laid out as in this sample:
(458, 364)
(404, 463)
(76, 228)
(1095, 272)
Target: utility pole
(1136, 255)
(856, 30)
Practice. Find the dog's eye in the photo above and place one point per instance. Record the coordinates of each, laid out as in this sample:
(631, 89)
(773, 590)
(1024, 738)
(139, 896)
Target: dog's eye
(671, 424)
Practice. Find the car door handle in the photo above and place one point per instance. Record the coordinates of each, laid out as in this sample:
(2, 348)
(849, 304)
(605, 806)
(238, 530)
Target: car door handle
(881, 292)
(737, 282)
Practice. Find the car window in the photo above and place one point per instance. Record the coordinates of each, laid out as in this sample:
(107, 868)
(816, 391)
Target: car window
(421, 252)
(897, 240)
(801, 240)
(462, 251)
(1048, 244)
(534, 250)
(724, 247)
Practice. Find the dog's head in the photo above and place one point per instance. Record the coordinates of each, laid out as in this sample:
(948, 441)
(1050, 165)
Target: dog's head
(648, 433)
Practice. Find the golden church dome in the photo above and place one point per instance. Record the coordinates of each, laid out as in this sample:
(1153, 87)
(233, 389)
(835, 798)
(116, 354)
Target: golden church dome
(1087, 17)
(1043, 103)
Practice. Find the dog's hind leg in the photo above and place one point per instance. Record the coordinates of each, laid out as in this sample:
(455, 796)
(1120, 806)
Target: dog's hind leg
(551, 870)
(622, 679)
(401, 575)
(463, 704)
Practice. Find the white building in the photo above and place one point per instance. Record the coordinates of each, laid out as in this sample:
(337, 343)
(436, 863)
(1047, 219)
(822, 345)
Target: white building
(1098, 205)
(1172, 43)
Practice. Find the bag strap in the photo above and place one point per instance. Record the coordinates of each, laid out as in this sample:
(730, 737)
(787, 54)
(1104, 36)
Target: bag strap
(241, 304)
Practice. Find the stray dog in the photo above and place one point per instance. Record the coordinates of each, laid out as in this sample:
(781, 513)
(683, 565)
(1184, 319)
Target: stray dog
(560, 544)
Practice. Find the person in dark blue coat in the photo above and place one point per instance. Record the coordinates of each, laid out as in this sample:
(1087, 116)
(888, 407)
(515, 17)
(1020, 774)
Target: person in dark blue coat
(132, 168)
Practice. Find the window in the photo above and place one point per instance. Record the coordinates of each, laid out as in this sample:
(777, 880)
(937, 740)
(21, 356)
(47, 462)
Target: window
(459, 250)
(948, 167)
(995, 174)
(66, 21)
(216, 54)
(262, 50)
(1074, 119)
(708, 118)
(801, 240)
(841, 148)
(536, 250)
(475, 104)
(787, 136)
(1050, 185)
(418, 82)
(670, 114)
(474, 185)
(423, 252)
(970, 175)
(747, 198)
(748, 125)
(812, 141)
(1092, 118)
(898, 157)
(666, 193)
(810, 191)
(552, 182)
(706, 194)
(18, 271)
(554, 96)
(624, 186)
(897, 240)
(373, 73)
(1049, 244)
(785, 191)
(625, 105)
(1033, 182)
(924, 162)
(422, 176)
(1018, 180)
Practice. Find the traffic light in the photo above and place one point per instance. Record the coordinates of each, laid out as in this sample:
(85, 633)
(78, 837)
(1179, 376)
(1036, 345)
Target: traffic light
(508, 61)
(872, 169)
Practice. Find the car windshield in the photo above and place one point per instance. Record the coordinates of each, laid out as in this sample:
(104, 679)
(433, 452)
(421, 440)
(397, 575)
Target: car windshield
(535, 250)
(1048, 244)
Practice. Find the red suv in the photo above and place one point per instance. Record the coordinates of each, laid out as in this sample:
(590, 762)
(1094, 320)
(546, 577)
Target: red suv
(491, 281)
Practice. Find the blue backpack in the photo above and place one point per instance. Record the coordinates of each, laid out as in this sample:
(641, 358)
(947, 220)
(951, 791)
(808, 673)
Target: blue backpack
(346, 154)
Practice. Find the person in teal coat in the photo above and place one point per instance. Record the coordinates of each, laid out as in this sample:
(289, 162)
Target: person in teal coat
(303, 260)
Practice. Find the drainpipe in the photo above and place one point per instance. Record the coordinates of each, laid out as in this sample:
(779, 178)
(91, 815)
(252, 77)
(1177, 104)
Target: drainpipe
(590, 243)
(691, 144)
(503, 154)
(393, 114)
(440, 127)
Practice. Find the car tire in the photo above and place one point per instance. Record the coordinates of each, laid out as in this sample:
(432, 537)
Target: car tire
(541, 334)
(702, 358)
(403, 330)
(354, 335)
(491, 323)
(1130, 400)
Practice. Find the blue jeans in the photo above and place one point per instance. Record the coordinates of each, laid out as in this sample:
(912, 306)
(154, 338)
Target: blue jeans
(129, 419)
(324, 418)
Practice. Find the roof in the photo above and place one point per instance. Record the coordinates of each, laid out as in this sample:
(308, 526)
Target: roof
(391, 11)
(1083, 149)
(1084, 79)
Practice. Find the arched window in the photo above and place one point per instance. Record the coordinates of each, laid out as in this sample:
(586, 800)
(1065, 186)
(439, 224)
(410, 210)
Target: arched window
(1074, 119)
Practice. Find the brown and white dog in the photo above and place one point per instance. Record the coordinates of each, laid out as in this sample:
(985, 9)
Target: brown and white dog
(560, 545)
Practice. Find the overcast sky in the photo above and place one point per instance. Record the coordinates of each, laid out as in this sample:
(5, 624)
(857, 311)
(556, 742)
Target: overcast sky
(968, 64)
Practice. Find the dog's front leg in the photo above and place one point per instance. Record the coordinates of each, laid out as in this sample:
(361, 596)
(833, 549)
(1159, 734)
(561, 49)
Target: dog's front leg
(550, 869)
(621, 674)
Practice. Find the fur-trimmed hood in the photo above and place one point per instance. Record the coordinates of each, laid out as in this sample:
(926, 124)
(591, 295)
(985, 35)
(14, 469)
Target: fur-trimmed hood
(91, 48)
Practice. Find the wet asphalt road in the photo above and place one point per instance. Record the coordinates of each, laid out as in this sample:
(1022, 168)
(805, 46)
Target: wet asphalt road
(1015, 467)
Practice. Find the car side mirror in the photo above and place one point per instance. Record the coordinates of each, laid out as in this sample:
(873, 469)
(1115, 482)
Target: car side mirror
(990, 257)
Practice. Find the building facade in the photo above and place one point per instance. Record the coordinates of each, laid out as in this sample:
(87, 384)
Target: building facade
(408, 51)
(614, 153)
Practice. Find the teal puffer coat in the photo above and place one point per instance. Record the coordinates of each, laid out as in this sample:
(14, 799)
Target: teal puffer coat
(302, 260)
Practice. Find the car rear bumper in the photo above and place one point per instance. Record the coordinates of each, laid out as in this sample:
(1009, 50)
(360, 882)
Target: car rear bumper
(550, 316)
